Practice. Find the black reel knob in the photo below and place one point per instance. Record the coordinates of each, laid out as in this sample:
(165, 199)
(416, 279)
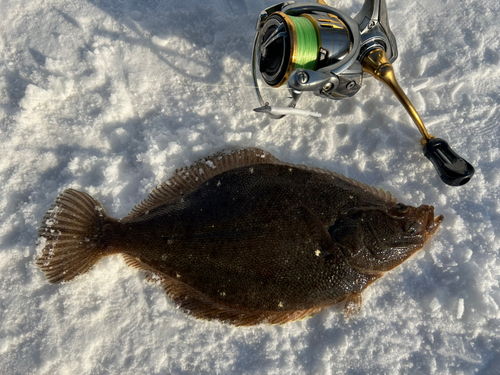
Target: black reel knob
(452, 168)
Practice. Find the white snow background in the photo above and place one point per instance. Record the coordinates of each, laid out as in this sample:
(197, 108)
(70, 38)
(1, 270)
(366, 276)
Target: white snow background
(110, 97)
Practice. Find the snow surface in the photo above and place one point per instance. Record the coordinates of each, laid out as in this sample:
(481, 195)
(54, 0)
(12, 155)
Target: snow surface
(111, 96)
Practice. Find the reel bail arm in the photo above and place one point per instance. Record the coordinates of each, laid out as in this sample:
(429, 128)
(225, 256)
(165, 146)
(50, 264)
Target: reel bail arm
(283, 111)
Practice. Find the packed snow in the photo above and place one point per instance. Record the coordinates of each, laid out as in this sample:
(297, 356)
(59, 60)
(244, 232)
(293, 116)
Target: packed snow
(112, 96)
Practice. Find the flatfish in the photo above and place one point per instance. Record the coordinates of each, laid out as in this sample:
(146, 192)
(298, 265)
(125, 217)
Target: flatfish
(244, 238)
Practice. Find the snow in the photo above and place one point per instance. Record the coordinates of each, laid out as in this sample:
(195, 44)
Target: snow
(112, 96)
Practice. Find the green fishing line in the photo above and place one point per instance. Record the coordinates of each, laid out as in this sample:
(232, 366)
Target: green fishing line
(307, 43)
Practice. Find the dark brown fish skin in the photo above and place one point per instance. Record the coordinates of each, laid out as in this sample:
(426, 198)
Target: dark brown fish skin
(262, 242)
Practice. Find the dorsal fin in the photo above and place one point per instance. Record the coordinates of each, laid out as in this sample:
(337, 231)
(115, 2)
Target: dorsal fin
(188, 178)
(386, 195)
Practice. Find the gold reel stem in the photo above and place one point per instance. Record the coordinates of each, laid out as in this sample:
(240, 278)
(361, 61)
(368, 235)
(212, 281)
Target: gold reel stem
(377, 65)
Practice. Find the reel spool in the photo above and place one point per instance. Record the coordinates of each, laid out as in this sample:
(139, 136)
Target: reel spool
(291, 43)
(314, 47)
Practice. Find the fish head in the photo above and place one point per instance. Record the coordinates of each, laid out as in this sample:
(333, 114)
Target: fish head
(378, 240)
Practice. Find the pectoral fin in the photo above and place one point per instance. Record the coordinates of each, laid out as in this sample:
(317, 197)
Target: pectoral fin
(319, 232)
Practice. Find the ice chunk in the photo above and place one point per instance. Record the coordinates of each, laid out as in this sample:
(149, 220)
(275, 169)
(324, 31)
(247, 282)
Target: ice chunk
(460, 308)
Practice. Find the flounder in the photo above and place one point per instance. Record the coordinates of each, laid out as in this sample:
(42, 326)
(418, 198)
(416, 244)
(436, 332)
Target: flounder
(244, 238)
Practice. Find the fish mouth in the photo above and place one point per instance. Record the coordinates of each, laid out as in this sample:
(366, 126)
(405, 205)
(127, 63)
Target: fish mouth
(432, 223)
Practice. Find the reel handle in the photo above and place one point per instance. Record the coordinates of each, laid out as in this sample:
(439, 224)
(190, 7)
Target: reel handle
(452, 168)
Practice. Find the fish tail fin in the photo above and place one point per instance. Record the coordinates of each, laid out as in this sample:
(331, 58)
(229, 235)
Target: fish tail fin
(70, 239)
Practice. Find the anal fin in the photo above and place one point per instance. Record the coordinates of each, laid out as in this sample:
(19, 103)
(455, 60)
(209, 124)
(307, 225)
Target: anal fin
(352, 305)
(201, 306)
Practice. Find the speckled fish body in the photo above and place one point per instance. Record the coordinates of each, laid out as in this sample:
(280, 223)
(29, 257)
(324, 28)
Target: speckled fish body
(244, 238)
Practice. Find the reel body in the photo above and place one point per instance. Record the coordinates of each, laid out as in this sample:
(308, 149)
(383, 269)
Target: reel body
(314, 47)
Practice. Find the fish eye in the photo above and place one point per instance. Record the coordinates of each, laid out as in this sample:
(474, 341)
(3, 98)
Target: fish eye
(411, 227)
(401, 208)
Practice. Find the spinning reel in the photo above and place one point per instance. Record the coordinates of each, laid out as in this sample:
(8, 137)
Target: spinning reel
(314, 47)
